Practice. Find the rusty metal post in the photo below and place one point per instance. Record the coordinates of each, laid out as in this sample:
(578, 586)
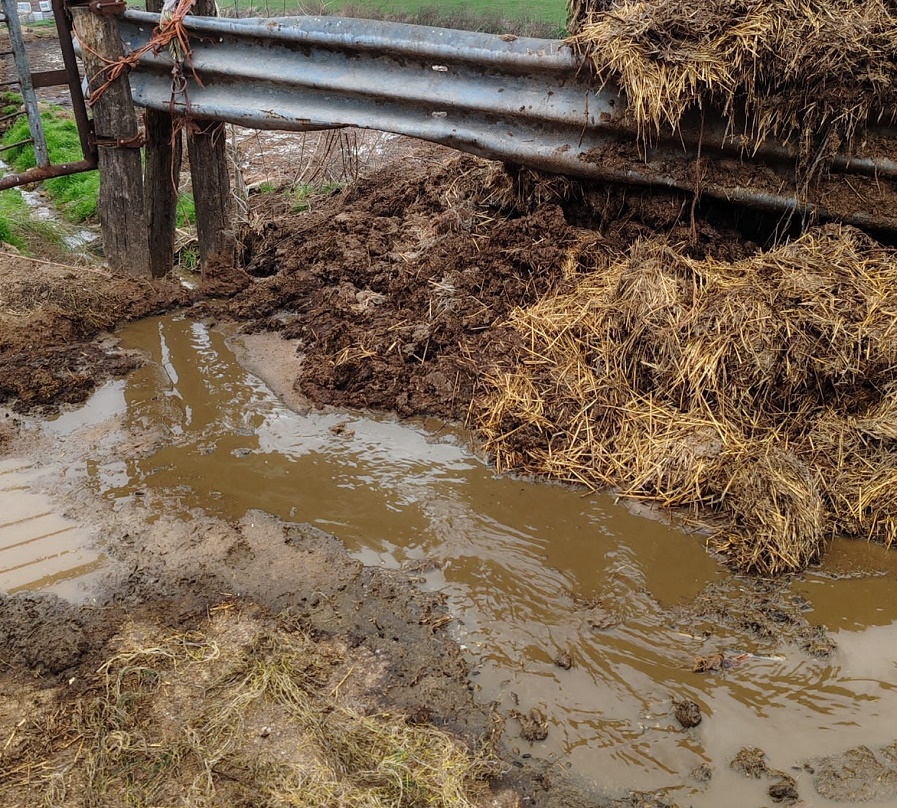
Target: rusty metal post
(161, 175)
(120, 206)
(207, 149)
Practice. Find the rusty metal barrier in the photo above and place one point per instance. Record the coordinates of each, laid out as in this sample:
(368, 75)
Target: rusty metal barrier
(28, 82)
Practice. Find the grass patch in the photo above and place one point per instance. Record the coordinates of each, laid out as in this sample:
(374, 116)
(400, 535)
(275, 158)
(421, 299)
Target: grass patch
(186, 211)
(20, 228)
(75, 195)
(303, 194)
(11, 102)
(12, 211)
(188, 257)
(540, 18)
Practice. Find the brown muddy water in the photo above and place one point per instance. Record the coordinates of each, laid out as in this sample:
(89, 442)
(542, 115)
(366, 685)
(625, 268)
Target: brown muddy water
(536, 574)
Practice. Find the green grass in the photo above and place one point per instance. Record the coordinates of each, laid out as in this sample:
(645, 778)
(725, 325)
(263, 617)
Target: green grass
(303, 194)
(13, 210)
(186, 212)
(188, 258)
(11, 102)
(545, 18)
(547, 10)
(20, 228)
(75, 195)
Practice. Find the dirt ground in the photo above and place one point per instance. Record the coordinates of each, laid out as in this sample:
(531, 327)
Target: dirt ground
(396, 287)
(49, 317)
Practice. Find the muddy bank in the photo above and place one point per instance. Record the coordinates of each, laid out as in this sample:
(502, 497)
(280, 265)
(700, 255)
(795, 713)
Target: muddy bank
(49, 317)
(188, 580)
(191, 564)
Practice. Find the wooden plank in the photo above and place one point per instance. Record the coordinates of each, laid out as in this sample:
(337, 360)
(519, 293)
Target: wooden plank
(207, 149)
(120, 206)
(161, 175)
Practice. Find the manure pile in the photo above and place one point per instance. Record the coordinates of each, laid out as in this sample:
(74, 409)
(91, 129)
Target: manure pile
(810, 72)
(606, 338)
(762, 390)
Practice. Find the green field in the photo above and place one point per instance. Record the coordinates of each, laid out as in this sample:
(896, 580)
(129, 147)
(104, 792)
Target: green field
(554, 11)
(549, 16)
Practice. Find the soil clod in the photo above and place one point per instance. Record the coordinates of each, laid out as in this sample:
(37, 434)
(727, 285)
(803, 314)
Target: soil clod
(784, 791)
(533, 725)
(687, 713)
(751, 762)
(564, 660)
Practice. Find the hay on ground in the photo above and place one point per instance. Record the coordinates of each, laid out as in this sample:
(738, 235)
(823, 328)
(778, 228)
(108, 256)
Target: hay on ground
(809, 72)
(763, 391)
(251, 710)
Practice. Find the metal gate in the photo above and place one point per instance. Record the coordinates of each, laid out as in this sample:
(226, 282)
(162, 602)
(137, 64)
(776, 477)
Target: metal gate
(28, 81)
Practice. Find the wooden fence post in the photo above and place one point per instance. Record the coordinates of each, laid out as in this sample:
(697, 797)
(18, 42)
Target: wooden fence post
(161, 175)
(207, 149)
(120, 206)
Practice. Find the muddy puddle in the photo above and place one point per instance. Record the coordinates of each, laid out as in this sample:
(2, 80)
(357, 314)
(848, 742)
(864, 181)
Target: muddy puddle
(40, 549)
(575, 612)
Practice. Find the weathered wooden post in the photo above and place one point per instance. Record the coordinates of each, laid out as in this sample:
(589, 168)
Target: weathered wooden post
(161, 174)
(120, 206)
(207, 150)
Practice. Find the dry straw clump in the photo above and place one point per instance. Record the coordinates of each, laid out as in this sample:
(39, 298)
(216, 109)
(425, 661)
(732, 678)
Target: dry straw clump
(763, 391)
(810, 72)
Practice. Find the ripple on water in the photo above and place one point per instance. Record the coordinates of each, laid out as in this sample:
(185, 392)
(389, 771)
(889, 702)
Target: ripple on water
(533, 572)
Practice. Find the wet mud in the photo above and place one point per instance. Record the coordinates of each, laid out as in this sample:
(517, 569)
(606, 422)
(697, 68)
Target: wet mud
(612, 659)
(570, 623)
(50, 317)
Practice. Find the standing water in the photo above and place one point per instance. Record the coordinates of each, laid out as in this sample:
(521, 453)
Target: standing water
(576, 614)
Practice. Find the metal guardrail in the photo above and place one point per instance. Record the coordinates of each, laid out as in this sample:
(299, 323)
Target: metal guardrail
(524, 101)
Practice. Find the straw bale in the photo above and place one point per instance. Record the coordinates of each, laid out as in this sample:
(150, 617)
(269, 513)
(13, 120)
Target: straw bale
(579, 10)
(810, 72)
(762, 391)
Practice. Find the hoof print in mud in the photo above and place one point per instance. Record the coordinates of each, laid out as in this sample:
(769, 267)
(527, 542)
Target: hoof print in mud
(687, 713)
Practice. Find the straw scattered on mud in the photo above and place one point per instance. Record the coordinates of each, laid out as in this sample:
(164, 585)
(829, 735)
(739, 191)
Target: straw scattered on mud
(608, 342)
(811, 73)
(248, 709)
(763, 391)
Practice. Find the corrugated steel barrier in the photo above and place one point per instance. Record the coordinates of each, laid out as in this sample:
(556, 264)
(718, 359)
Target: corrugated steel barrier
(524, 101)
